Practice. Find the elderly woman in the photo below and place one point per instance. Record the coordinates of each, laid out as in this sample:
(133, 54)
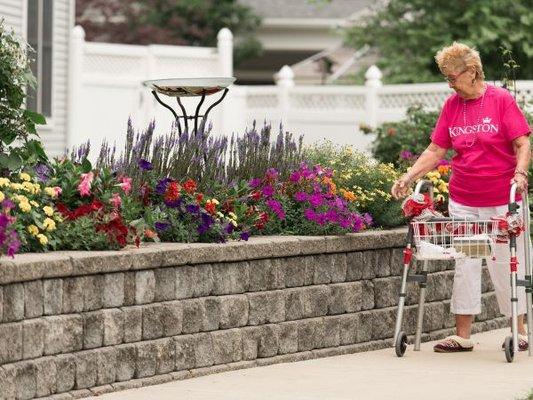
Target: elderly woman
(489, 135)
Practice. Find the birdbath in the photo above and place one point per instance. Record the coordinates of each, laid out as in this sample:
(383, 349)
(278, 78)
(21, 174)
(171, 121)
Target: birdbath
(188, 87)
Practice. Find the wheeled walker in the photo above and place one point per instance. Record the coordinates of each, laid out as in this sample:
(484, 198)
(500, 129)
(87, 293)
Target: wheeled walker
(438, 238)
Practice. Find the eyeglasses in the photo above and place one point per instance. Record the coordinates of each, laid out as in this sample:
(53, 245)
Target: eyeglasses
(452, 78)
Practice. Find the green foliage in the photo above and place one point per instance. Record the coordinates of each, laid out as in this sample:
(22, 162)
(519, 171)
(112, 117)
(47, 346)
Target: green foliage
(368, 180)
(81, 234)
(19, 145)
(408, 33)
(411, 134)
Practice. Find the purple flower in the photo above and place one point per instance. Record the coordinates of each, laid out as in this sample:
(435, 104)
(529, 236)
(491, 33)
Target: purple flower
(443, 162)
(300, 196)
(245, 236)
(310, 214)
(192, 208)
(228, 229)
(43, 172)
(14, 245)
(268, 191)
(367, 218)
(316, 199)
(161, 226)
(8, 204)
(206, 223)
(276, 207)
(272, 173)
(406, 155)
(254, 183)
(161, 186)
(145, 165)
(295, 177)
(173, 203)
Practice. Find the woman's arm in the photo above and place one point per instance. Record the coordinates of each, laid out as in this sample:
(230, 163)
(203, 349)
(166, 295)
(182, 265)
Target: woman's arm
(522, 150)
(425, 163)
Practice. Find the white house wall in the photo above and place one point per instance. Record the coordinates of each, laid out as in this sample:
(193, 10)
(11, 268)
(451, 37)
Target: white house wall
(13, 12)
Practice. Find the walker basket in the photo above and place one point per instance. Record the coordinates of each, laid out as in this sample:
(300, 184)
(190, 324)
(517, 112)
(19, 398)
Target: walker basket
(446, 238)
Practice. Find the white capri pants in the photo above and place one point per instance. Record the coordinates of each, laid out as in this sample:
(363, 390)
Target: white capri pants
(466, 293)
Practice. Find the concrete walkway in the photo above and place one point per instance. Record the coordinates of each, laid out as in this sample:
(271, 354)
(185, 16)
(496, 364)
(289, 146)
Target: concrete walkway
(483, 374)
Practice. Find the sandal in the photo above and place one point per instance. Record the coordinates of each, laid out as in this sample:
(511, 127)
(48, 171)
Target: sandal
(454, 344)
(522, 343)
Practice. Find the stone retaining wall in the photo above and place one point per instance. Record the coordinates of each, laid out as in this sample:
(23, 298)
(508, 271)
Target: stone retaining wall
(74, 324)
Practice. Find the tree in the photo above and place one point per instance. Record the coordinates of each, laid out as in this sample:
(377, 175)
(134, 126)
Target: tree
(173, 22)
(408, 33)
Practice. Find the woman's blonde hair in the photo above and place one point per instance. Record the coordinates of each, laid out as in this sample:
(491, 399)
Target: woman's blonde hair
(458, 57)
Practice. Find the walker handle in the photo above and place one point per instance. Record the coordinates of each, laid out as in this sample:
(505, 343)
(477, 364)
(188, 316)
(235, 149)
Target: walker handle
(424, 184)
(512, 197)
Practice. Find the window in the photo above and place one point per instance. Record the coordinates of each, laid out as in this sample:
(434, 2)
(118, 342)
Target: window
(40, 37)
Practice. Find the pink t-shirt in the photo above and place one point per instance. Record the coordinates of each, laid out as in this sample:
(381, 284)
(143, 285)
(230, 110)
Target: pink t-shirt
(484, 162)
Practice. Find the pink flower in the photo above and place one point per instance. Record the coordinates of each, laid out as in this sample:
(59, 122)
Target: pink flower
(58, 190)
(126, 184)
(116, 201)
(85, 184)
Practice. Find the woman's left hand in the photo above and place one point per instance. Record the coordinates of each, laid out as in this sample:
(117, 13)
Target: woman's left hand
(521, 183)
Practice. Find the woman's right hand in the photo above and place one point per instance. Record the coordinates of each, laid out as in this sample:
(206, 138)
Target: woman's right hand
(401, 187)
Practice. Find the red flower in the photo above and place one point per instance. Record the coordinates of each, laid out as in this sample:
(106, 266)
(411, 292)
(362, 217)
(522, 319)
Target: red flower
(115, 230)
(228, 206)
(210, 207)
(199, 197)
(173, 191)
(190, 186)
(81, 211)
(256, 195)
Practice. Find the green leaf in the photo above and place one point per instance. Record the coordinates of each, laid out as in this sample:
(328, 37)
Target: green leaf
(86, 166)
(36, 147)
(12, 161)
(36, 118)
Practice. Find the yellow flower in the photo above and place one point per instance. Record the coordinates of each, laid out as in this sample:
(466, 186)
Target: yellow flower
(28, 187)
(25, 206)
(34, 203)
(25, 177)
(42, 239)
(439, 198)
(215, 202)
(219, 214)
(232, 216)
(16, 186)
(48, 210)
(50, 191)
(2, 196)
(49, 224)
(33, 230)
(233, 222)
(4, 182)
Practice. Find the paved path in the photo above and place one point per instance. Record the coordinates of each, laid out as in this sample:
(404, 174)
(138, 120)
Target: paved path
(483, 374)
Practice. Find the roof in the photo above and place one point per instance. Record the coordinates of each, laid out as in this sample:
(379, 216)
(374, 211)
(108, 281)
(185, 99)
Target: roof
(334, 9)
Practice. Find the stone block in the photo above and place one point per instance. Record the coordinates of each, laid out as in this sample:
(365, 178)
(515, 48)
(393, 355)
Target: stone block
(132, 323)
(129, 288)
(106, 364)
(203, 350)
(437, 286)
(146, 359)
(383, 323)
(86, 369)
(433, 316)
(194, 281)
(45, 376)
(7, 382)
(350, 327)
(13, 302)
(166, 354)
(364, 326)
(260, 341)
(152, 321)
(185, 354)
(165, 284)
(322, 267)
(211, 319)
(126, 362)
(53, 296)
(172, 318)
(486, 282)
(449, 318)
(355, 264)
(144, 287)
(295, 271)
(233, 311)
(113, 291)
(113, 326)
(311, 334)
(10, 342)
(93, 329)
(227, 346)
(396, 261)
(294, 304)
(288, 337)
(64, 334)
(66, 372)
(231, 278)
(73, 289)
(332, 331)
(23, 375)
(1, 303)
(193, 315)
(266, 274)
(386, 291)
(92, 292)
(266, 307)
(367, 295)
(345, 297)
(33, 338)
(33, 299)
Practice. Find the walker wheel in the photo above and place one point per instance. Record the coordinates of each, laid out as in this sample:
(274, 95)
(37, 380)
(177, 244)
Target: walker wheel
(401, 344)
(509, 350)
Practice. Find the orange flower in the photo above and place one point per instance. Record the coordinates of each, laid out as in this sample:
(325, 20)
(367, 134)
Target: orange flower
(173, 191)
(190, 186)
(210, 207)
(348, 195)
(444, 169)
(150, 234)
